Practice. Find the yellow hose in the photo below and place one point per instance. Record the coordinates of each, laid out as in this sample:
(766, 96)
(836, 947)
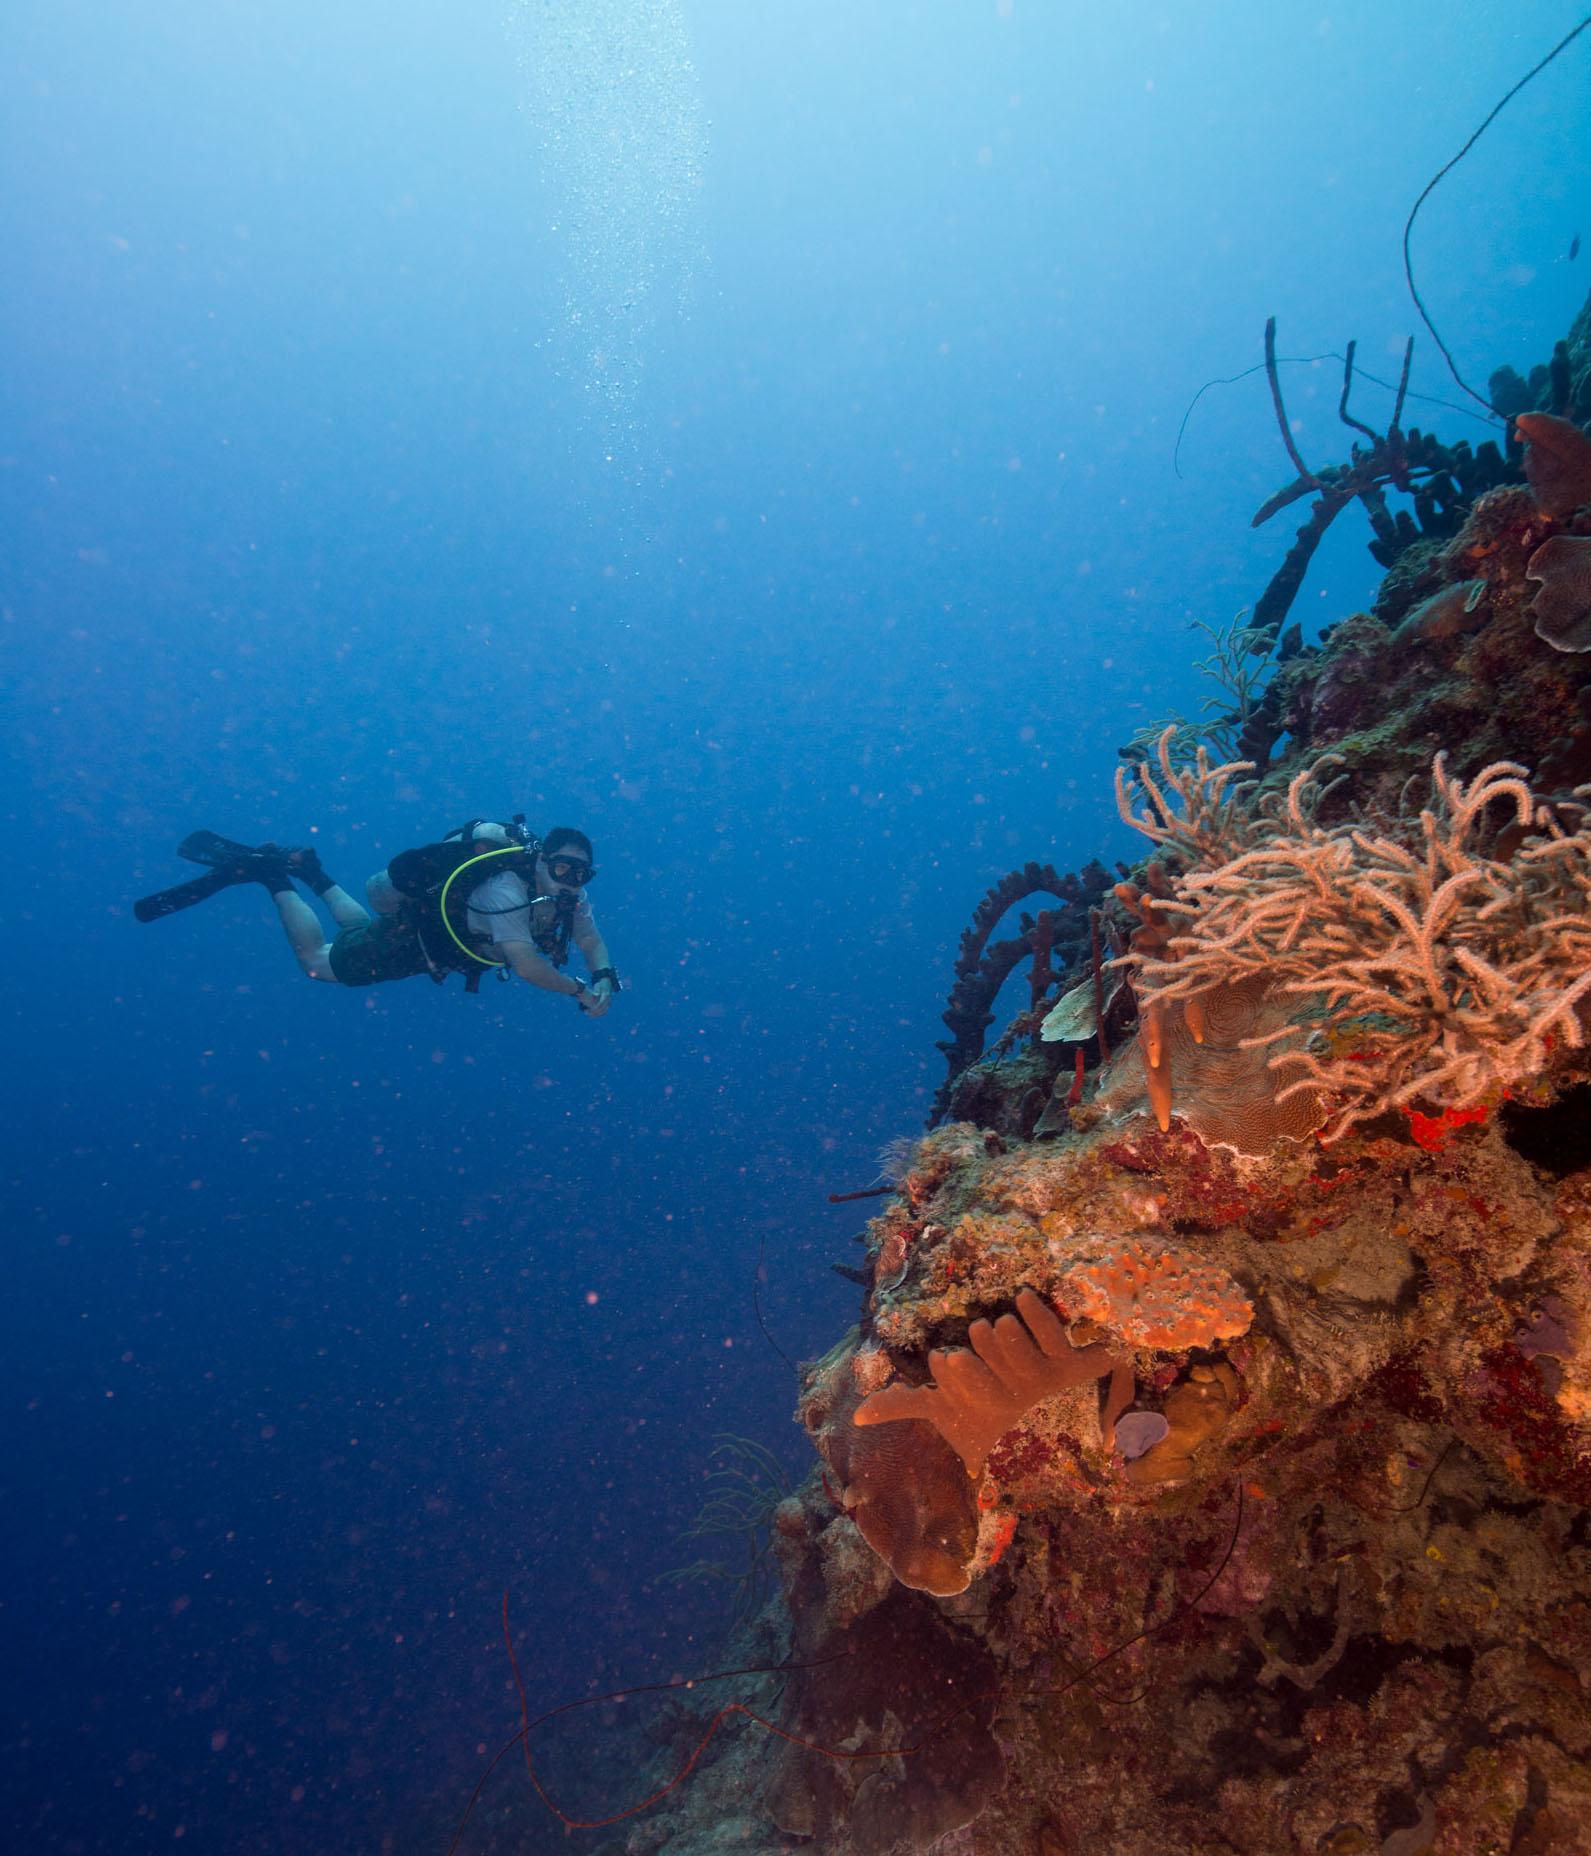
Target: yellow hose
(511, 850)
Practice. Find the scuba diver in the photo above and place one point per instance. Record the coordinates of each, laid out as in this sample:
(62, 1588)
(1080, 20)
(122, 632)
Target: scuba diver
(485, 896)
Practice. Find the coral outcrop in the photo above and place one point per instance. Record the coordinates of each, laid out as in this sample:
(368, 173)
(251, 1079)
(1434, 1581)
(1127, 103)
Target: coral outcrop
(1210, 1468)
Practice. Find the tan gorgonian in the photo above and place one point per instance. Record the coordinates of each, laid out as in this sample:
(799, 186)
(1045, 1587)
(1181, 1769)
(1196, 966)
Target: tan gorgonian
(1434, 970)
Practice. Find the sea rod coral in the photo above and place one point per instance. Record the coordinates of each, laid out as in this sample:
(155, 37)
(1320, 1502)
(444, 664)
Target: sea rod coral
(1436, 968)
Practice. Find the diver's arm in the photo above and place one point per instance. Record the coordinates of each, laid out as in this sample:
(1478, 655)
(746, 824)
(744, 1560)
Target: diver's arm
(593, 949)
(598, 961)
(529, 965)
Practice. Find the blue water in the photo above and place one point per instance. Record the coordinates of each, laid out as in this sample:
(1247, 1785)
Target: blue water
(820, 596)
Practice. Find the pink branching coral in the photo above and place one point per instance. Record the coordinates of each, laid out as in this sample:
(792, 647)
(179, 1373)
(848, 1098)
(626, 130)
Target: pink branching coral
(1435, 971)
(1153, 1297)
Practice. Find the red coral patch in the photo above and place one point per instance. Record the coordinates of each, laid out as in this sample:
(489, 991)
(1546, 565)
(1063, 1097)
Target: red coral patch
(1433, 1132)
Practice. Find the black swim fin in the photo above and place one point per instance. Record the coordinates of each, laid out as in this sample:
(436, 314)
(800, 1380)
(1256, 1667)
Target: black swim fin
(183, 895)
(229, 862)
(205, 847)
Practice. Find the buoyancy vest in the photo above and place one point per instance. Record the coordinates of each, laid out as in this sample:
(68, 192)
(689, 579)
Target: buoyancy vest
(436, 906)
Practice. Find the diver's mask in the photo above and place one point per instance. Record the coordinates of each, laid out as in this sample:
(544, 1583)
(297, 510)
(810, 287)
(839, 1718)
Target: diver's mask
(574, 871)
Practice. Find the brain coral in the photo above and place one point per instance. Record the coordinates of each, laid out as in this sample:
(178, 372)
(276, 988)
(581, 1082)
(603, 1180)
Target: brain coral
(1154, 1297)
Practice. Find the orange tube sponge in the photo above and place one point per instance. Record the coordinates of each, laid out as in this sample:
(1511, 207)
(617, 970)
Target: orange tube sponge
(981, 1391)
(1154, 1297)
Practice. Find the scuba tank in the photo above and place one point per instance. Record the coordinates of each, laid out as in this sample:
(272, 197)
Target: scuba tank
(436, 881)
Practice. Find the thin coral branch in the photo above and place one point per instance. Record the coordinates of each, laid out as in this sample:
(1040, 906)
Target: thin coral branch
(1281, 411)
(1342, 405)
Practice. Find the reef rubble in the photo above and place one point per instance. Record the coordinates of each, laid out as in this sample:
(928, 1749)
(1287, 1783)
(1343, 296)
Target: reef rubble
(1209, 1468)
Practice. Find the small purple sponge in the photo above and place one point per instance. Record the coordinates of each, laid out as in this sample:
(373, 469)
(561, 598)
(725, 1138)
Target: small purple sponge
(1138, 1431)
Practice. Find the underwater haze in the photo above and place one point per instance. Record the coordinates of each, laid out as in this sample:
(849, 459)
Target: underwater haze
(745, 432)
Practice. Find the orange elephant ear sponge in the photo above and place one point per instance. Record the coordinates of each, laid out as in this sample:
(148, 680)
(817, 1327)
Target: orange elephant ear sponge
(904, 1487)
(914, 1507)
(1557, 462)
(1155, 1297)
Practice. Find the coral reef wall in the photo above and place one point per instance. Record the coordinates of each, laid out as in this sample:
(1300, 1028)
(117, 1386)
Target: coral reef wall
(1212, 1472)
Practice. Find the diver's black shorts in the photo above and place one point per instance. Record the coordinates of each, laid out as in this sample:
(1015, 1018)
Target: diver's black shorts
(386, 948)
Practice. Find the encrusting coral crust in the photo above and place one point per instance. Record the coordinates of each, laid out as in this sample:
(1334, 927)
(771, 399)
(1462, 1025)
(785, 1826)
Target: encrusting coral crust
(1150, 1296)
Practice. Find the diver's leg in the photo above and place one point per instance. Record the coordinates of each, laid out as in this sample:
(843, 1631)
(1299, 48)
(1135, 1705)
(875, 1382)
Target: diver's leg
(304, 933)
(345, 912)
(382, 895)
